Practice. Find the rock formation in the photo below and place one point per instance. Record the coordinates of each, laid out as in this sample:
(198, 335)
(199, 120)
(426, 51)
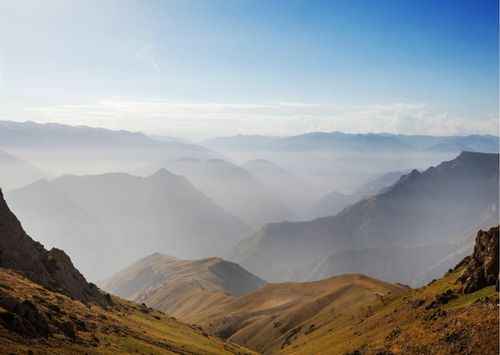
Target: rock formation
(482, 265)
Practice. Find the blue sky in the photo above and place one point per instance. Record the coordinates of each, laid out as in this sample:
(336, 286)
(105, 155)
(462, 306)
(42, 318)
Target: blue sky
(204, 68)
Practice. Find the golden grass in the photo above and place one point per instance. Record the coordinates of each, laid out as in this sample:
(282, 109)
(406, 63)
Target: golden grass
(123, 328)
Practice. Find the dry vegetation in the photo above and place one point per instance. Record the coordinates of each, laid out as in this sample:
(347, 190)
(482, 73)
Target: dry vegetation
(75, 327)
(436, 319)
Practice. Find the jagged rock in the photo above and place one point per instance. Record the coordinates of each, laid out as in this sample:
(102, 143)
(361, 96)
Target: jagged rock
(23, 318)
(445, 297)
(482, 266)
(52, 269)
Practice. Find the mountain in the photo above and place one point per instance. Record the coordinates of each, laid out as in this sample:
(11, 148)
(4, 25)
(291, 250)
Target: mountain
(64, 149)
(352, 142)
(158, 269)
(170, 285)
(433, 206)
(334, 202)
(17, 172)
(234, 189)
(118, 217)
(47, 306)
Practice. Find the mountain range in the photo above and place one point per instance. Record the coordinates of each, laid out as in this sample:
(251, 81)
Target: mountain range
(434, 206)
(118, 217)
(337, 141)
(62, 149)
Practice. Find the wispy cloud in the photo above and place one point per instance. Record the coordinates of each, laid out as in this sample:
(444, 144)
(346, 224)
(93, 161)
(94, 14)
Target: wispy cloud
(199, 120)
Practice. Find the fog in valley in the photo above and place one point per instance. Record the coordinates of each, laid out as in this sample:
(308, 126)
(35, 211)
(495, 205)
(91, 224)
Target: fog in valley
(294, 208)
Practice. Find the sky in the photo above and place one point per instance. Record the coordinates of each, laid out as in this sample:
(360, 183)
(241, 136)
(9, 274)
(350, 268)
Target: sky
(200, 69)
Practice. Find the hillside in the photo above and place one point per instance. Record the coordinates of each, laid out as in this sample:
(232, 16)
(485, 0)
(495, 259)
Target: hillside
(91, 216)
(433, 206)
(168, 284)
(446, 317)
(274, 314)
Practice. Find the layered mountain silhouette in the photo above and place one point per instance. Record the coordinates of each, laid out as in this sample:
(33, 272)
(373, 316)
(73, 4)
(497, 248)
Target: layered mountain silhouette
(337, 141)
(234, 189)
(422, 208)
(17, 172)
(118, 217)
(63, 149)
(47, 306)
(177, 286)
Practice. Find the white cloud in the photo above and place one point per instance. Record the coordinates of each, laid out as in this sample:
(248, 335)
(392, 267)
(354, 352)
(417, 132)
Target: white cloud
(199, 120)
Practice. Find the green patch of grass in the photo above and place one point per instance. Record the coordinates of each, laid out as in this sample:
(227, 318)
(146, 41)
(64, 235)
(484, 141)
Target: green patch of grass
(465, 300)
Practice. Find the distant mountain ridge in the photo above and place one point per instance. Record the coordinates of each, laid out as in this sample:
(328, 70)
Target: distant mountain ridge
(64, 149)
(434, 206)
(357, 142)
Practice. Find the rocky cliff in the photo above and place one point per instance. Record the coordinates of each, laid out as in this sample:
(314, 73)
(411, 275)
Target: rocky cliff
(482, 265)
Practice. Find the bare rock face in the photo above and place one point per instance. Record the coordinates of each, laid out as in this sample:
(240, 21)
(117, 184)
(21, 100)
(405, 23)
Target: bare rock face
(52, 269)
(482, 266)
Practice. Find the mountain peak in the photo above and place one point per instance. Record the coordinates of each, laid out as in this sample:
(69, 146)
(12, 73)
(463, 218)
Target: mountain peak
(162, 173)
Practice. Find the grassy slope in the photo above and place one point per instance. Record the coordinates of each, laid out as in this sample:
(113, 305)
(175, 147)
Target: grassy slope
(266, 319)
(124, 328)
(392, 324)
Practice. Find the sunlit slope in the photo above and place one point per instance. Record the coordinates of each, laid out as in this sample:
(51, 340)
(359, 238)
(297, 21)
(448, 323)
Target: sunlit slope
(49, 322)
(266, 319)
(181, 287)
(457, 314)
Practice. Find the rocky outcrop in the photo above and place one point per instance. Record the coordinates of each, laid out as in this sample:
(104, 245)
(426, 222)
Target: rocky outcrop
(52, 269)
(482, 266)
